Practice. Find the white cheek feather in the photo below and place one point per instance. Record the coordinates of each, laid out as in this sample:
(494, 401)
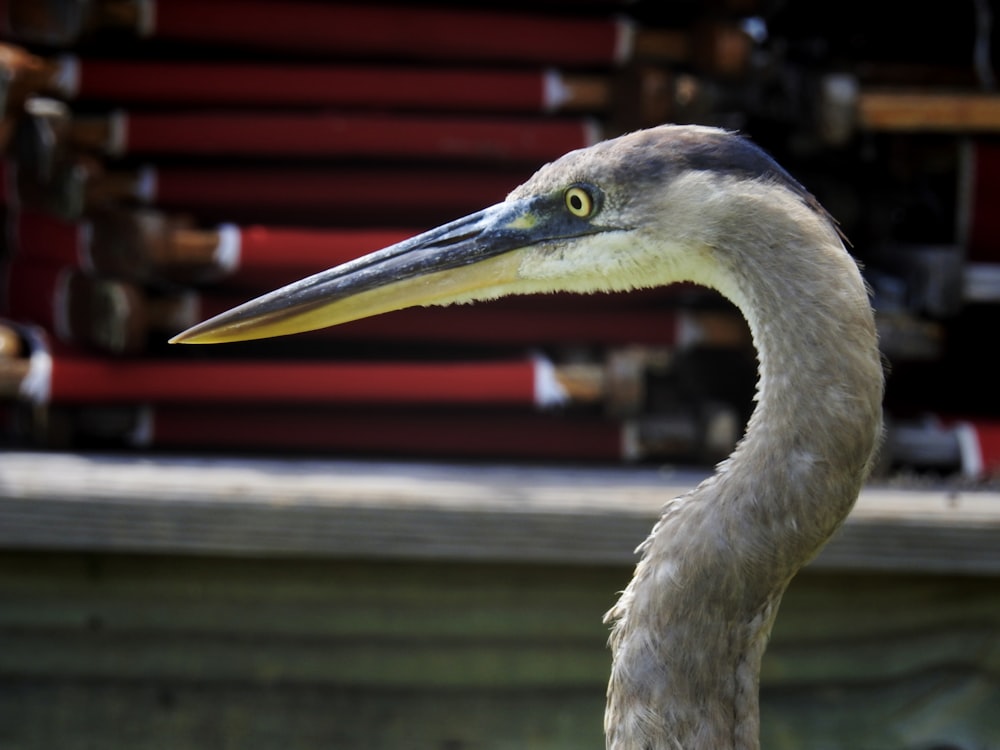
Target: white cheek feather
(612, 261)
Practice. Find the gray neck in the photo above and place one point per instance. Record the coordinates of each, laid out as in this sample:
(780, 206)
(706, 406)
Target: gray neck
(691, 627)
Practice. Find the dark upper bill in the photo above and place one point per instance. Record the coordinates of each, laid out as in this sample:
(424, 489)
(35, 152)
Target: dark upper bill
(403, 275)
(454, 262)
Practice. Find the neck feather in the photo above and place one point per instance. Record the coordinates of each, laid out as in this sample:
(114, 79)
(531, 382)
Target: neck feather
(690, 629)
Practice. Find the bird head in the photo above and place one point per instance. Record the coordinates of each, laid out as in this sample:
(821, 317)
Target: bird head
(615, 216)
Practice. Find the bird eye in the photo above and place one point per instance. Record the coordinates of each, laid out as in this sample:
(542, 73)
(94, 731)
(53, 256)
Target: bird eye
(579, 202)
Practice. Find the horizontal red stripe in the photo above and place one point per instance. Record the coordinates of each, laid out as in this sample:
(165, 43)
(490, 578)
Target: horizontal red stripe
(220, 84)
(294, 253)
(351, 135)
(394, 32)
(43, 237)
(31, 292)
(474, 434)
(988, 434)
(983, 197)
(94, 380)
(335, 192)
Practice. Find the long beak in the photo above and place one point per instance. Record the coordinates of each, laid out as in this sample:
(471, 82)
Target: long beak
(458, 261)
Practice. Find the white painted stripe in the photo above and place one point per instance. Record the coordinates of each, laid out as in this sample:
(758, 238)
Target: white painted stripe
(146, 18)
(146, 185)
(592, 131)
(67, 77)
(228, 252)
(970, 449)
(625, 41)
(141, 435)
(84, 245)
(117, 143)
(555, 92)
(37, 384)
(548, 390)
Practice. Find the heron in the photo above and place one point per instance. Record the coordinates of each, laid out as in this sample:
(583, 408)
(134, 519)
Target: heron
(668, 204)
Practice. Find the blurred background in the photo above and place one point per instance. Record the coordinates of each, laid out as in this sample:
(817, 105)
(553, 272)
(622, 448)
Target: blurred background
(167, 161)
(164, 161)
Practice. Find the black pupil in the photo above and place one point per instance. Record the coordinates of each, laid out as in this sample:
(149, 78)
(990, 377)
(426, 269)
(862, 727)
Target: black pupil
(576, 202)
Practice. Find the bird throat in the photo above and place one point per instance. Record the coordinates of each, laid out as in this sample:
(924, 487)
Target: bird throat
(691, 628)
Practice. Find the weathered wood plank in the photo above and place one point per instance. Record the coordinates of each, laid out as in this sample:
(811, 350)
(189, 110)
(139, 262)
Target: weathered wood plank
(928, 111)
(147, 651)
(423, 511)
(81, 715)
